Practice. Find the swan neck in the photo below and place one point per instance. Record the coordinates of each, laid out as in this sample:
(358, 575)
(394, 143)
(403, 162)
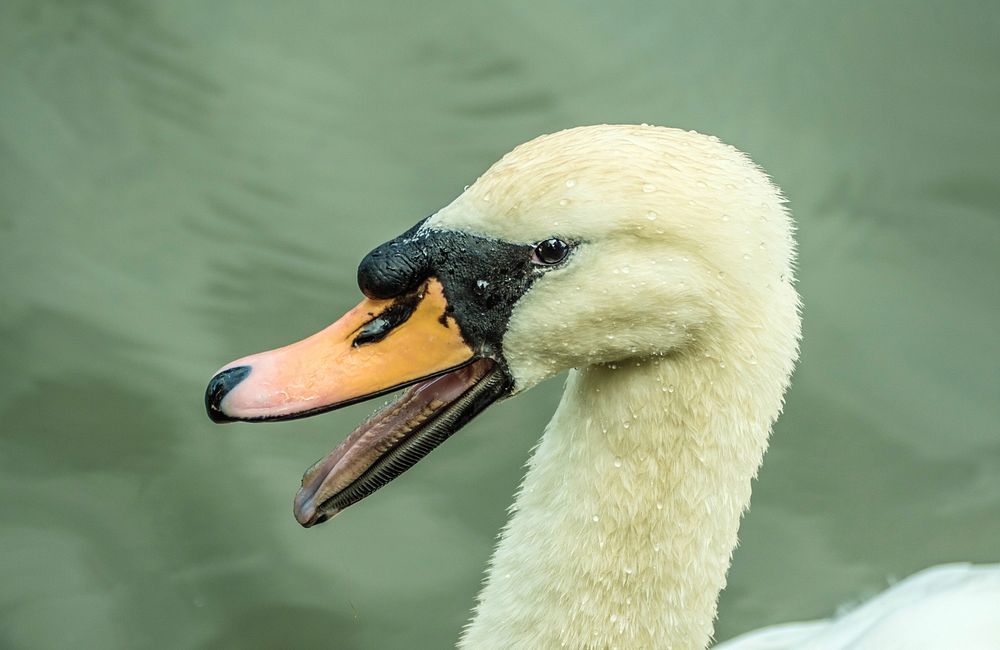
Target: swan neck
(623, 528)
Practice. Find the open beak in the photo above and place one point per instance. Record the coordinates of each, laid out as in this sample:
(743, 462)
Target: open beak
(376, 348)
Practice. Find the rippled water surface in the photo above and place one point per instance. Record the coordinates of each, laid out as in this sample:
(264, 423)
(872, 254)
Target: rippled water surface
(185, 182)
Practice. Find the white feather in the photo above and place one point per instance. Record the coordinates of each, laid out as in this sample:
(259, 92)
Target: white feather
(679, 319)
(949, 606)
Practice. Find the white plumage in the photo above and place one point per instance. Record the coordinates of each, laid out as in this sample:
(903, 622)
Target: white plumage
(953, 606)
(679, 322)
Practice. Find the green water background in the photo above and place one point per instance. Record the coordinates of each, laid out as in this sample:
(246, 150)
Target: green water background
(183, 182)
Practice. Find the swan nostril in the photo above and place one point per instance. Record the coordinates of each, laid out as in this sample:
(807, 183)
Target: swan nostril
(219, 387)
(379, 327)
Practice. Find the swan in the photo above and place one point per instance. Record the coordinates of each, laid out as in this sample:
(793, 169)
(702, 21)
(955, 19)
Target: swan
(656, 266)
(953, 606)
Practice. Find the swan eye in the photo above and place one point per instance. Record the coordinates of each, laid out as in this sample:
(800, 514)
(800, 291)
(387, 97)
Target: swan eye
(550, 251)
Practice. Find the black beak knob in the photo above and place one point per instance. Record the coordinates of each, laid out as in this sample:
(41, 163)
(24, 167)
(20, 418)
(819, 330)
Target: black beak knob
(397, 266)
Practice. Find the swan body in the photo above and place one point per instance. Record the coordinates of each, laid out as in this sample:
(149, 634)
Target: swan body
(675, 314)
(949, 606)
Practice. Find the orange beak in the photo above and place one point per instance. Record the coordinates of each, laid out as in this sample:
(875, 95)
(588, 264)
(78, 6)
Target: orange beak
(377, 347)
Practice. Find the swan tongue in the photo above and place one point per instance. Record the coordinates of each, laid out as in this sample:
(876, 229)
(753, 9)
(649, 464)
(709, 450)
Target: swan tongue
(395, 438)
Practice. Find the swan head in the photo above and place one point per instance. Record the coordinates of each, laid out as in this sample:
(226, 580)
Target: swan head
(580, 248)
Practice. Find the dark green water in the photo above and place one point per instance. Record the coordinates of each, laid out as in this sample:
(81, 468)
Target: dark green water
(185, 182)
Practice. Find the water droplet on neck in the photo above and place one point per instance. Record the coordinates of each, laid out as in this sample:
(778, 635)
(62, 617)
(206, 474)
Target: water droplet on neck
(648, 187)
(651, 215)
(618, 462)
(595, 518)
(563, 202)
(571, 183)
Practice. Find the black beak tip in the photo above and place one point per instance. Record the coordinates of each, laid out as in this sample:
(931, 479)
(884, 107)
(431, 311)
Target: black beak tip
(219, 387)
